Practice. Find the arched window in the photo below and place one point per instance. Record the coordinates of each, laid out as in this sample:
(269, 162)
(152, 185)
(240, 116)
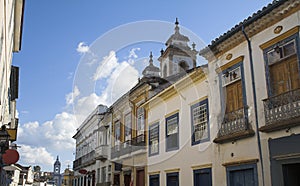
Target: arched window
(183, 66)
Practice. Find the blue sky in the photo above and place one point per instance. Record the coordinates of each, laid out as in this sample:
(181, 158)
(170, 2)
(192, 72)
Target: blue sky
(53, 30)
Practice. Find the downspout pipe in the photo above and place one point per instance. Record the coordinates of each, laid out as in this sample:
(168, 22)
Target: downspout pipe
(255, 104)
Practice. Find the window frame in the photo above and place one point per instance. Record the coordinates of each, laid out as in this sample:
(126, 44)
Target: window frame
(172, 174)
(223, 87)
(167, 136)
(149, 140)
(117, 140)
(140, 121)
(129, 137)
(193, 140)
(285, 41)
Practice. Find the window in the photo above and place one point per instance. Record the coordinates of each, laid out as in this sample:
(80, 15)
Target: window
(103, 174)
(202, 177)
(98, 175)
(128, 127)
(154, 180)
(140, 121)
(242, 175)
(232, 82)
(283, 67)
(172, 136)
(117, 132)
(173, 179)
(200, 124)
(154, 139)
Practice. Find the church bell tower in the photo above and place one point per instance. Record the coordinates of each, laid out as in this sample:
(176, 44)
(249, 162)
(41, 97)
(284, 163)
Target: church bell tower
(178, 57)
(56, 172)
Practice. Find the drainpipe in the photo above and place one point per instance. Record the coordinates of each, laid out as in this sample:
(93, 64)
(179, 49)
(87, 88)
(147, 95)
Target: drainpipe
(255, 104)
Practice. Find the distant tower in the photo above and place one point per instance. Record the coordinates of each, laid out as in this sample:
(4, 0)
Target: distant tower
(151, 70)
(56, 172)
(178, 56)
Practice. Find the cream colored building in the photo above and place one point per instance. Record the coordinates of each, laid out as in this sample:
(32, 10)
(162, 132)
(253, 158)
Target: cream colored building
(11, 20)
(92, 150)
(234, 121)
(248, 142)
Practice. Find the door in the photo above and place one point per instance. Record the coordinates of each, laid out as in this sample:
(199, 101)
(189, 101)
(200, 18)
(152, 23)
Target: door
(291, 174)
(244, 177)
(173, 179)
(116, 180)
(127, 179)
(202, 177)
(140, 179)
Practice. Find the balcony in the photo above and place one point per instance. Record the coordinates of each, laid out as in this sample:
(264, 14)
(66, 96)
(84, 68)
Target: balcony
(282, 111)
(235, 126)
(88, 159)
(139, 144)
(132, 147)
(77, 164)
(102, 152)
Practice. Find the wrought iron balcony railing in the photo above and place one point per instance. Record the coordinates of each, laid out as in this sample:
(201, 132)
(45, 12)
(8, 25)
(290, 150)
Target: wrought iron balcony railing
(88, 158)
(282, 111)
(129, 147)
(234, 126)
(76, 164)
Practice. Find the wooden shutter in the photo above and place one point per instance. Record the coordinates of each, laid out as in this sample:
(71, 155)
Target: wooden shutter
(234, 96)
(294, 73)
(284, 76)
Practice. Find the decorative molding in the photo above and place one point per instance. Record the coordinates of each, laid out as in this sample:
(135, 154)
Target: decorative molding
(280, 38)
(208, 165)
(240, 162)
(230, 63)
(229, 56)
(172, 113)
(198, 100)
(278, 29)
(154, 172)
(172, 170)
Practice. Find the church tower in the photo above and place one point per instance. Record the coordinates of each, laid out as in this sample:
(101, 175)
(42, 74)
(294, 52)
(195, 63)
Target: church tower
(178, 56)
(151, 70)
(56, 172)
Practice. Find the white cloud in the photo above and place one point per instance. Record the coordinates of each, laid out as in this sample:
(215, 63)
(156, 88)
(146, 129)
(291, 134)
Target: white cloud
(35, 155)
(132, 53)
(55, 136)
(106, 66)
(72, 96)
(82, 48)
(122, 79)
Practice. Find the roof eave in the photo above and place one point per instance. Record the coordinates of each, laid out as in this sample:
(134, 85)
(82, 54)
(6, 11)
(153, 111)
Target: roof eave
(18, 24)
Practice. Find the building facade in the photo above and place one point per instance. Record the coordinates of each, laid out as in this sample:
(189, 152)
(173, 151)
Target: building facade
(233, 121)
(91, 163)
(11, 20)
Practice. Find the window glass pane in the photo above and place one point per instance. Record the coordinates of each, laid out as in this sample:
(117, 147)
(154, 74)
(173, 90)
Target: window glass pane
(140, 121)
(117, 131)
(172, 126)
(289, 49)
(128, 126)
(153, 138)
(199, 114)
